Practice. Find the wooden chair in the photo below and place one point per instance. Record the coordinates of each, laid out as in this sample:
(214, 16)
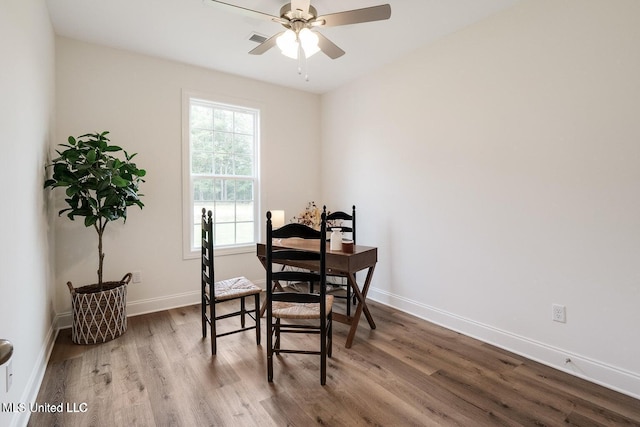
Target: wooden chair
(301, 312)
(214, 292)
(339, 217)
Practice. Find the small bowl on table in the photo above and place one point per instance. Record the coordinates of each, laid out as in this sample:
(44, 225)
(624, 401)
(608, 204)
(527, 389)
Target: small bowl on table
(347, 246)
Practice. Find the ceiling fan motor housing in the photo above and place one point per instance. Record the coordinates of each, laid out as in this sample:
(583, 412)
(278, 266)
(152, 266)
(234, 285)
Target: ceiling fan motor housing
(298, 15)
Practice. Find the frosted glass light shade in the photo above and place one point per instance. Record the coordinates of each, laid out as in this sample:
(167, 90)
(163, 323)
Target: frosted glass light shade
(309, 41)
(288, 43)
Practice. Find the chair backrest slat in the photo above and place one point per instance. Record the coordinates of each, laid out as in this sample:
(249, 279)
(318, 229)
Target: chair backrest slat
(295, 254)
(296, 297)
(295, 230)
(296, 276)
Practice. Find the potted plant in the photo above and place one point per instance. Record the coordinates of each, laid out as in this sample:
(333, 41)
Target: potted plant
(99, 187)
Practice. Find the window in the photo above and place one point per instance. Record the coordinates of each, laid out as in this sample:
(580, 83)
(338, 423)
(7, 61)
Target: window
(221, 148)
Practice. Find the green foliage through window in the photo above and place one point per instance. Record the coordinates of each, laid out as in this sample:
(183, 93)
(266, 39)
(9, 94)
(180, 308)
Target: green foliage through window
(223, 150)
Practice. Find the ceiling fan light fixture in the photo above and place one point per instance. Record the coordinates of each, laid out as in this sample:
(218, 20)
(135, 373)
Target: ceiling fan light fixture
(309, 41)
(288, 43)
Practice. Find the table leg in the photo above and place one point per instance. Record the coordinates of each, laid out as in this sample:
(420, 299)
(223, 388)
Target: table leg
(362, 305)
(362, 296)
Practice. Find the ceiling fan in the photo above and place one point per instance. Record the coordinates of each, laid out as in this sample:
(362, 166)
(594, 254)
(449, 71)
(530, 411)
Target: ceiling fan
(298, 18)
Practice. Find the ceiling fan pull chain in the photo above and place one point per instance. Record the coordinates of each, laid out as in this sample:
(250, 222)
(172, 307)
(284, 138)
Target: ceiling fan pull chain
(302, 62)
(300, 55)
(306, 69)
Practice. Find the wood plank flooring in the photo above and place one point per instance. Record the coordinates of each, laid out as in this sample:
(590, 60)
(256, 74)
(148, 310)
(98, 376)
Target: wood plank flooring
(407, 372)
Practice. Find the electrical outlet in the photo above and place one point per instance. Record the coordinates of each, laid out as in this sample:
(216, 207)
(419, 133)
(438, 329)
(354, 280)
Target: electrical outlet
(9, 369)
(559, 313)
(137, 277)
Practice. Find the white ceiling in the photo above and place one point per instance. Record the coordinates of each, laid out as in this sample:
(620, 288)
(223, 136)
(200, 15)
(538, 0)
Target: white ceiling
(195, 32)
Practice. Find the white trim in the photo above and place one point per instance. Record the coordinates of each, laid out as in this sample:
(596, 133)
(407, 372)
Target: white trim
(149, 305)
(187, 197)
(34, 382)
(580, 366)
(220, 252)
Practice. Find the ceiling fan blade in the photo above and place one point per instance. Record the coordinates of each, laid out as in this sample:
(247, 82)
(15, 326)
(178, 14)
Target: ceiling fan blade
(265, 45)
(301, 5)
(245, 11)
(356, 16)
(328, 47)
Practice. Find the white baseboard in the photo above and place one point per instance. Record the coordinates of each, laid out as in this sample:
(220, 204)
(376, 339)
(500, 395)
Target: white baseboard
(30, 394)
(586, 368)
(149, 305)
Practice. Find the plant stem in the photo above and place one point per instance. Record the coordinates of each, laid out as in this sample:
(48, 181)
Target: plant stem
(100, 229)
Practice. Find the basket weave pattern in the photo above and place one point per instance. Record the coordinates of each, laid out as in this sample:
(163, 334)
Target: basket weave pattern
(99, 316)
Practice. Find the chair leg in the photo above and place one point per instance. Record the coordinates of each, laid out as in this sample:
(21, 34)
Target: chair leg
(323, 353)
(348, 300)
(242, 311)
(257, 314)
(270, 350)
(203, 314)
(212, 318)
(329, 336)
(276, 345)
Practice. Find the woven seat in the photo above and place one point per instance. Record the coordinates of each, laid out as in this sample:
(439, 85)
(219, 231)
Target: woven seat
(237, 288)
(295, 310)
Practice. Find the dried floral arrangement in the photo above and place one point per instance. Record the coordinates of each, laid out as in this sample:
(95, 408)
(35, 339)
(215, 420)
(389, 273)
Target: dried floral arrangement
(311, 216)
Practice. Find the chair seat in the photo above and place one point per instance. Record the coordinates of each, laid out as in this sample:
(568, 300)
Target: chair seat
(234, 288)
(293, 310)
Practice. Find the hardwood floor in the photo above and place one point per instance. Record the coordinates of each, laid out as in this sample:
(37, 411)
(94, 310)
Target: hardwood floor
(407, 372)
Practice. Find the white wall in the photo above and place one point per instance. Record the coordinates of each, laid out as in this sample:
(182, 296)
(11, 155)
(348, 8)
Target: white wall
(498, 171)
(26, 118)
(138, 99)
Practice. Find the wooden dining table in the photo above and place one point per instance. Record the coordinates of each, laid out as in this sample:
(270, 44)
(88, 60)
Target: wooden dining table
(363, 258)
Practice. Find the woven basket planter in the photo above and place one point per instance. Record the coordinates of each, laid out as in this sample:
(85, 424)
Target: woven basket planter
(99, 314)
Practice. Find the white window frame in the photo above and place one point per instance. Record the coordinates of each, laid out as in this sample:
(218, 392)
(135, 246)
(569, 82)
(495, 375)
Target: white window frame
(191, 246)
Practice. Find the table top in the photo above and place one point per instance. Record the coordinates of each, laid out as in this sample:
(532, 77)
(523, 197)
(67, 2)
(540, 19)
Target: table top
(337, 261)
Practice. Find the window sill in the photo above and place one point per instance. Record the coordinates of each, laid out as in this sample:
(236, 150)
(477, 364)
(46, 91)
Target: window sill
(234, 250)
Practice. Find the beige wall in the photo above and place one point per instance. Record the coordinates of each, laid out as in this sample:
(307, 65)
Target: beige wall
(138, 99)
(498, 172)
(513, 145)
(26, 120)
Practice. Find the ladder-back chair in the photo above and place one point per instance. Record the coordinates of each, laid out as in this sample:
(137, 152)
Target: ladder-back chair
(298, 312)
(213, 293)
(337, 220)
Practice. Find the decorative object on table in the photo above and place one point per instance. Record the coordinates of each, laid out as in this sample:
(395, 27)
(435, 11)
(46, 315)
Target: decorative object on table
(99, 187)
(336, 239)
(311, 217)
(347, 246)
(278, 218)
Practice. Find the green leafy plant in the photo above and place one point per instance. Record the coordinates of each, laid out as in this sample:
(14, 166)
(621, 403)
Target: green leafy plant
(99, 186)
